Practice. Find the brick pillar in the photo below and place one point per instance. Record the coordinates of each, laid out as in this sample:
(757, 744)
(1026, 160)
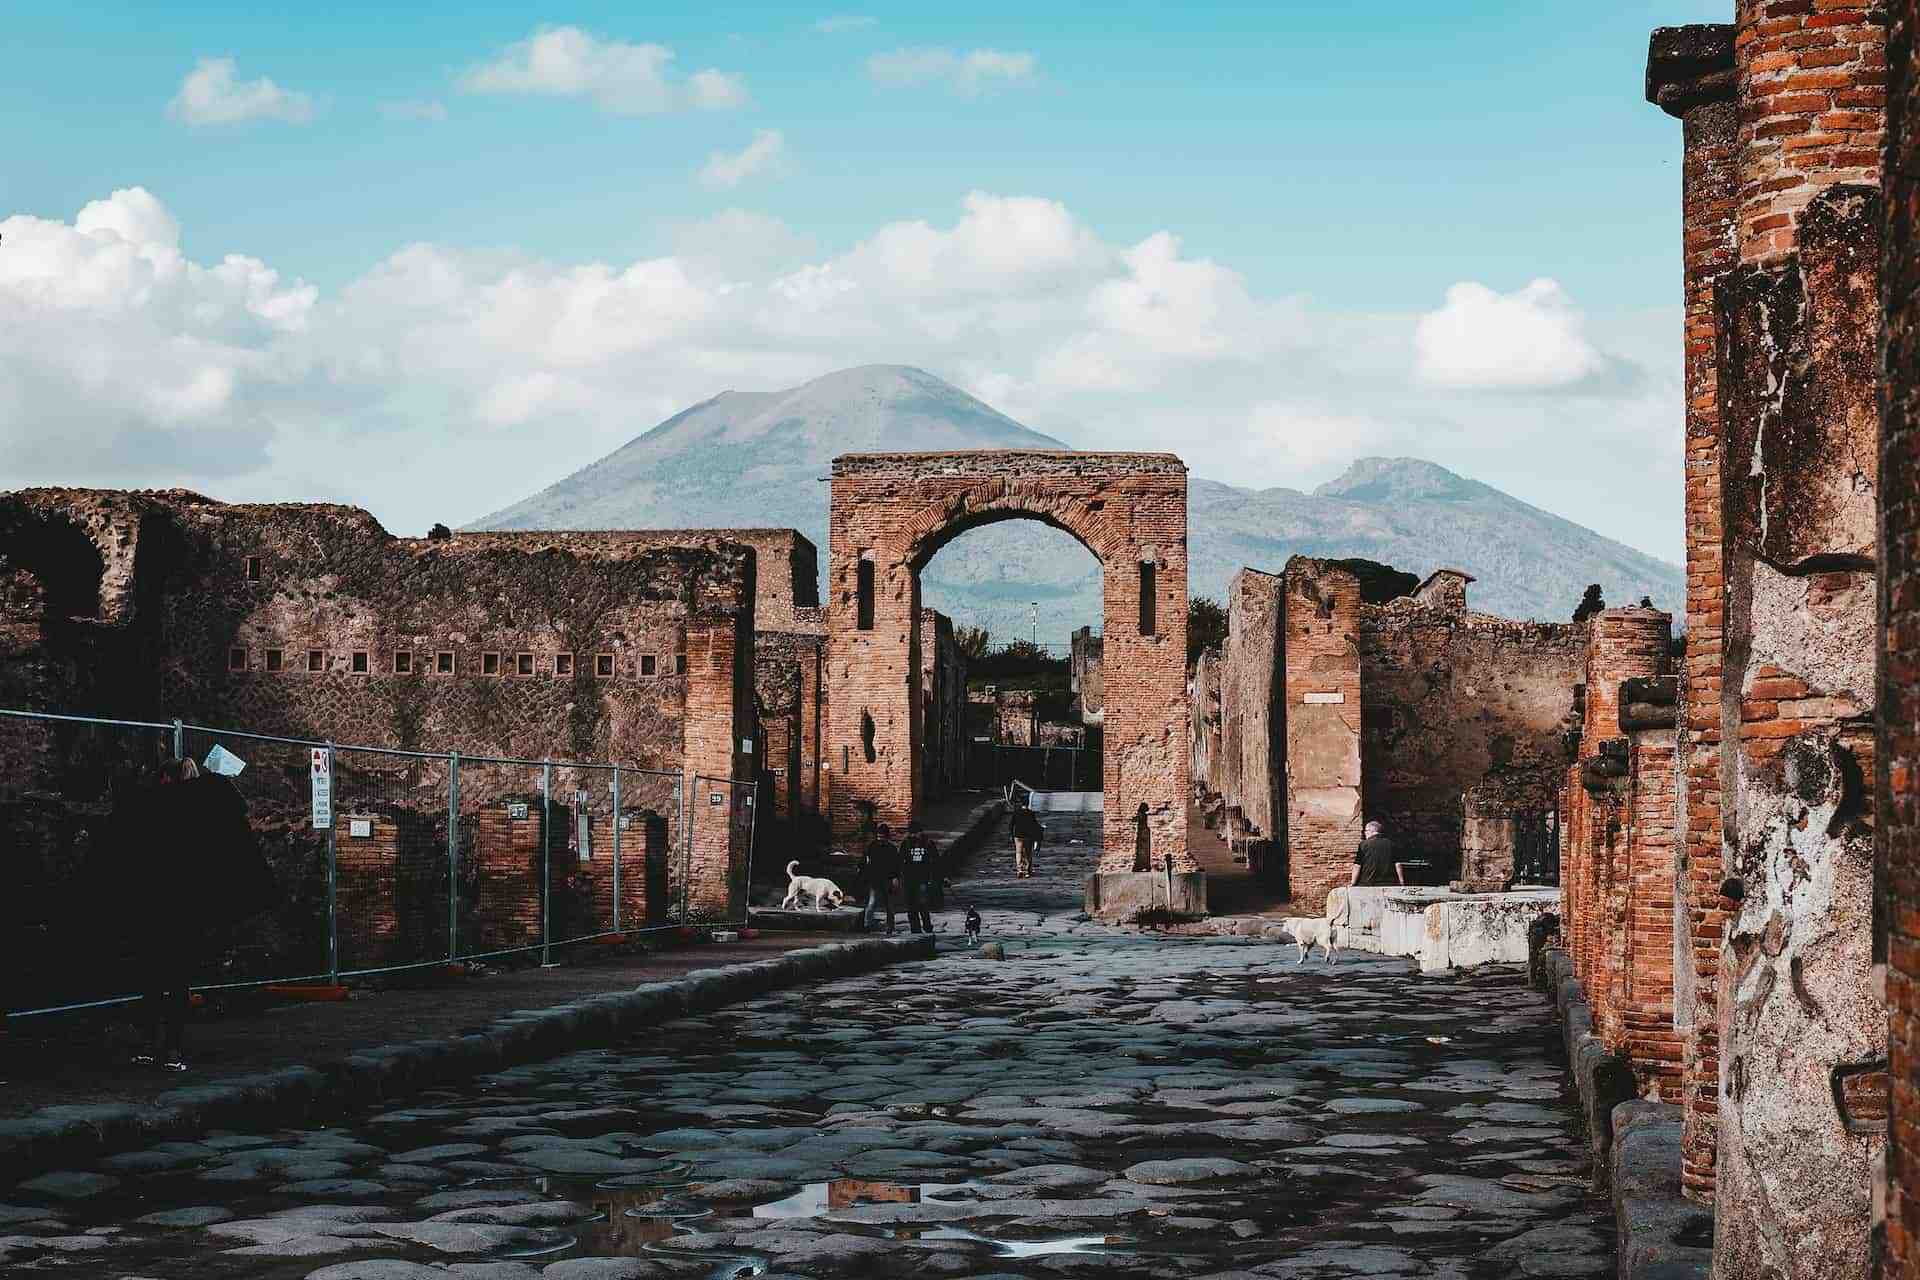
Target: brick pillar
(1320, 620)
(1644, 984)
(1898, 756)
(719, 720)
(1797, 326)
(1690, 75)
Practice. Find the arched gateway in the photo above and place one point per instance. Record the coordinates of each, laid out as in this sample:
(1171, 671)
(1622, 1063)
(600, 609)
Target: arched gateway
(891, 512)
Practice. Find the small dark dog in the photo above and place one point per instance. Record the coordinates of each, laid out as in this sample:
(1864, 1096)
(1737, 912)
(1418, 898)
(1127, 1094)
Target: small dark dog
(973, 926)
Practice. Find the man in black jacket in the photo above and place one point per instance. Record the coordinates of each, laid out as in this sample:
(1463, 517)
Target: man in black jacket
(919, 870)
(881, 866)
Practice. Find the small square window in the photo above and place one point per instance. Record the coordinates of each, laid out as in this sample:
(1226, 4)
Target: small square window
(563, 664)
(679, 664)
(402, 663)
(276, 659)
(523, 664)
(489, 664)
(443, 662)
(236, 659)
(603, 665)
(361, 663)
(647, 664)
(316, 660)
(253, 568)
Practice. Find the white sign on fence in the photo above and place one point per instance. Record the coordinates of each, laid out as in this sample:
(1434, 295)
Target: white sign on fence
(322, 789)
(360, 828)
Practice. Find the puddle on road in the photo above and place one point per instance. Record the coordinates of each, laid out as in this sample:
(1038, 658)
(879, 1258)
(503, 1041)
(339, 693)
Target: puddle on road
(821, 1199)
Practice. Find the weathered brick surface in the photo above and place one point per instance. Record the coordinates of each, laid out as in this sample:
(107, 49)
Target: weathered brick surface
(1320, 724)
(1796, 329)
(1690, 74)
(895, 511)
(312, 622)
(1087, 673)
(1898, 757)
(943, 708)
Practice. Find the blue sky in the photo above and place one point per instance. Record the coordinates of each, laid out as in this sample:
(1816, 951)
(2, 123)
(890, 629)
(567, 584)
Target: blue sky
(1346, 164)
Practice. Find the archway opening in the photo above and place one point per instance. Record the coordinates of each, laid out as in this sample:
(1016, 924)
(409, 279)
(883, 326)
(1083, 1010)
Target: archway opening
(1025, 602)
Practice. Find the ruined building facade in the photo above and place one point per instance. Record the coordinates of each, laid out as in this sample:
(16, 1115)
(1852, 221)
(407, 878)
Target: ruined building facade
(1345, 693)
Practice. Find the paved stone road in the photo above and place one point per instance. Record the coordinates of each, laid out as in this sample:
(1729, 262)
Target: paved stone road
(1099, 1103)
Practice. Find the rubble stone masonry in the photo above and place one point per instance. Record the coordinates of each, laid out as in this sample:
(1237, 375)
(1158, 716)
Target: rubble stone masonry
(891, 513)
(1898, 756)
(1690, 75)
(1796, 329)
(1320, 724)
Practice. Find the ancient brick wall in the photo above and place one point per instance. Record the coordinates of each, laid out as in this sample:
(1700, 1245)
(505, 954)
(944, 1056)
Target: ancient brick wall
(1456, 702)
(1797, 326)
(1898, 756)
(1320, 724)
(943, 708)
(1253, 708)
(892, 512)
(1690, 75)
(1088, 674)
(1644, 963)
(312, 622)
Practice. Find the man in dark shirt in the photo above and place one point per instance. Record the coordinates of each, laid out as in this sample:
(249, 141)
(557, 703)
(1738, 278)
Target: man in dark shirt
(919, 868)
(882, 866)
(1374, 862)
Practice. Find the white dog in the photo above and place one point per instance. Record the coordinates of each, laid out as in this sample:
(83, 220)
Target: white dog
(824, 892)
(1310, 932)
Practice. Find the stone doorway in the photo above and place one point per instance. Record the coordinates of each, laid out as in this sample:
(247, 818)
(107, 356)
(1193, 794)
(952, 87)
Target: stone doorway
(892, 512)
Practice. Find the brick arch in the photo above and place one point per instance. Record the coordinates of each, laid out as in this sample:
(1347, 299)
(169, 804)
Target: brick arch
(894, 513)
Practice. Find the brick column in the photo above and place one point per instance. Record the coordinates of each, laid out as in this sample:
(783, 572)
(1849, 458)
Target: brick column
(720, 717)
(1320, 620)
(1797, 326)
(1690, 75)
(1898, 756)
(1645, 977)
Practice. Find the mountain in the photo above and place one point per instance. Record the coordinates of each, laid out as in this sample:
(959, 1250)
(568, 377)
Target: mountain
(753, 458)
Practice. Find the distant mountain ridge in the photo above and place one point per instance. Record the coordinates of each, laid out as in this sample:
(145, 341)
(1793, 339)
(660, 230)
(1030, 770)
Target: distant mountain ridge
(757, 458)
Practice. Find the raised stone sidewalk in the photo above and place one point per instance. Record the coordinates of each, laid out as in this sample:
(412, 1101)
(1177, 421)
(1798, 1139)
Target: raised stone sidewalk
(307, 1087)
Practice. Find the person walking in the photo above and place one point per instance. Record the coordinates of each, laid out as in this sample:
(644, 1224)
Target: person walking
(1027, 835)
(919, 868)
(880, 867)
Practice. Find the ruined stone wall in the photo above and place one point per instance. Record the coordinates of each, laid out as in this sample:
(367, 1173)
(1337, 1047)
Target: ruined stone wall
(1797, 325)
(1898, 757)
(1616, 856)
(792, 710)
(1690, 75)
(312, 622)
(1088, 673)
(1252, 708)
(1320, 626)
(1456, 702)
(943, 692)
(891, 513)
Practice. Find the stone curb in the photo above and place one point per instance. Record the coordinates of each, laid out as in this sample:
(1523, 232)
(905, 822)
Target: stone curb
(1634, 1144)
(60, 1136)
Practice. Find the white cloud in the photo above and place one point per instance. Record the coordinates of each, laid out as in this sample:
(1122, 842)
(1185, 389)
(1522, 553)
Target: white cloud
(1530, 340)
(477, 376)
(731, 168)
(621, 78)
(840, 22)
(967, 73)
(211, 95)
(429, 110)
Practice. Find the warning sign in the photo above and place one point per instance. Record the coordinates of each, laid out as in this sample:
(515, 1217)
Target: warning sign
(322, 789)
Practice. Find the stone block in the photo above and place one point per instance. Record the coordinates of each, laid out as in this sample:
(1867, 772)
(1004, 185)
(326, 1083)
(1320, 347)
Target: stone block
(1118, 896)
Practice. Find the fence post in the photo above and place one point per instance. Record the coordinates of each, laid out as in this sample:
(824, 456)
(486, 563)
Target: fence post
(687, 810)
(453, 856)
(753, 829)
(546, 865)
(179, 739)
(333, 870)
(616, 848)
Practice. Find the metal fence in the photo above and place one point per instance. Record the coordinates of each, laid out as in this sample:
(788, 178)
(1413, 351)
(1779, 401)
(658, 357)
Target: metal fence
(384, 860)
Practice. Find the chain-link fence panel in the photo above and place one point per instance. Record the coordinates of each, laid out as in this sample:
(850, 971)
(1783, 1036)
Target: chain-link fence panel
(720, 853)
(505, 845)
(74, 850)
(392, 859)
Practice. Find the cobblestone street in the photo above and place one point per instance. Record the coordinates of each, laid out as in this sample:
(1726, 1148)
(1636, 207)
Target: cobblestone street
(1100, 1102)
